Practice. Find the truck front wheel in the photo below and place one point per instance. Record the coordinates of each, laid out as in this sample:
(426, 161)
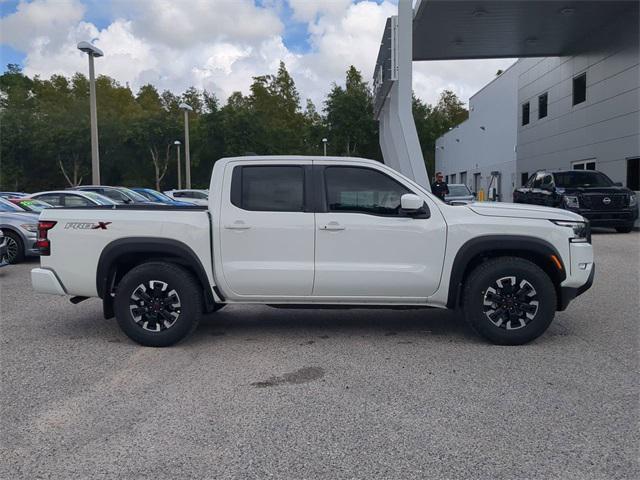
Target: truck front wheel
(509, 300)
(158, 304)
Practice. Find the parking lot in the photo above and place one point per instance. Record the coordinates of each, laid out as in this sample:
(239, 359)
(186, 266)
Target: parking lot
(259, 392)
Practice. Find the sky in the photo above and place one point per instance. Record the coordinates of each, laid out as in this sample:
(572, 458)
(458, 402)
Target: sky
(219, 45)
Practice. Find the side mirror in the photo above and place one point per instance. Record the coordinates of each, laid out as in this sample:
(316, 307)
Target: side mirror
(409, 201)
(413, 206)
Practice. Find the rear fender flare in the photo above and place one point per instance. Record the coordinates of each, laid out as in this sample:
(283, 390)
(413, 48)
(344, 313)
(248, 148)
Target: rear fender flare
(174, 250)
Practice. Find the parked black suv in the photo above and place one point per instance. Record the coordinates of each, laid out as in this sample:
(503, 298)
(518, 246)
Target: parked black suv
(587, 192)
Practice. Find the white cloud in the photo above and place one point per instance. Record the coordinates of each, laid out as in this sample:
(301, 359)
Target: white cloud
(40, 22)
(309, 10)
(221, 45)
(185, 23)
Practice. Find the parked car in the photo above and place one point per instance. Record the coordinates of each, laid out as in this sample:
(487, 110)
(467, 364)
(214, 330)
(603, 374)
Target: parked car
(317, 231)
(120, 195)
(587, 192)
(155, 196)
(198, 197)
(3, 250)
(20, 230)
(30, 204)
(459, 193)
(13, 194)
(71, 198)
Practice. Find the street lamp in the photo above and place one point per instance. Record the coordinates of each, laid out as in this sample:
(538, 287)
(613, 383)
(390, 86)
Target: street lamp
(187, 157)
(93, 52)
(324, 144)
(177, 144)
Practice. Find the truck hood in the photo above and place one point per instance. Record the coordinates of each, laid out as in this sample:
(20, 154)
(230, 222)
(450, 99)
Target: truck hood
(520, 210)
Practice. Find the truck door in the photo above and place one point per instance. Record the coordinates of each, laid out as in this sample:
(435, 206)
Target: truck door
(365, 246)
(267, 229)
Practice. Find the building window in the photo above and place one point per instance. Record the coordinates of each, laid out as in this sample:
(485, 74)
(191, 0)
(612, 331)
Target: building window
(463, 177)
(525, 113)
(584, 165)
(542, 105)
(579, 89)
(524, 176)
(633, 173)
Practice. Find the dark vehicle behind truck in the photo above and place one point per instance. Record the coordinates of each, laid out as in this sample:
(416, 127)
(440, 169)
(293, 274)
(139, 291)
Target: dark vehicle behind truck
(587, 192)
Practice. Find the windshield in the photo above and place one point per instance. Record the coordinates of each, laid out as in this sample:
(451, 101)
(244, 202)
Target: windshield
(459, 191)
(7, 206)
(135, 196)
(580, 178)
(153, 195)
(33, 205)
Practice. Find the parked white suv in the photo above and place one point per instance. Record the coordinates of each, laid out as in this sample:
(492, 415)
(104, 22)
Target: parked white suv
(317, 231)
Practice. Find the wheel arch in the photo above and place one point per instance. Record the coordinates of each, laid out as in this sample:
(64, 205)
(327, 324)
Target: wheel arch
(121, 255)
(476, 250)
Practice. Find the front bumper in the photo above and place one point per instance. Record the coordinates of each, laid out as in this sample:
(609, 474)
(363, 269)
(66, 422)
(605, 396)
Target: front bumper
(615, 218)
(46, 281)
(569, 293)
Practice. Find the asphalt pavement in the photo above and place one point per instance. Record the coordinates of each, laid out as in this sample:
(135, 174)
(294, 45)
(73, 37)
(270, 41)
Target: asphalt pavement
(262, 393)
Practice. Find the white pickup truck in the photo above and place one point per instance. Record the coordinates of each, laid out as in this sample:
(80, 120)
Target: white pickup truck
(316, 231)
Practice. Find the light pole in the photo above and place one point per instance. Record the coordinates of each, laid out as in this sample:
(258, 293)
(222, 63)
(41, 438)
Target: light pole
(177, 144)
(187, 157)
(324, 144)
(93, 52)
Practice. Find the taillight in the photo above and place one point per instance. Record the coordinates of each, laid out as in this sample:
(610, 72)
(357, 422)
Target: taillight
(43, 243)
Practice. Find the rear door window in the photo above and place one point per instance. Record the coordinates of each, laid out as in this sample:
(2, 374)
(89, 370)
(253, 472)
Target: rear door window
(51, 199)
(272, 188)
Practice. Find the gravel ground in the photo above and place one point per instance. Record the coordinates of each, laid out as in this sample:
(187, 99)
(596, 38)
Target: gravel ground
(263, 393)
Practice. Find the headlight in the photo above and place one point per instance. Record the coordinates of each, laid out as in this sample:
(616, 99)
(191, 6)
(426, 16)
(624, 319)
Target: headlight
(30, 227)
(571, 201)
(581, 231)
(633, 200)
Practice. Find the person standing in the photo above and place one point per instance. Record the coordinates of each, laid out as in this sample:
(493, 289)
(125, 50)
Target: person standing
(440, 188)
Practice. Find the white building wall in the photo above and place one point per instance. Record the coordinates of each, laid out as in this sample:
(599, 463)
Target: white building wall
(604, 128)
(485, 142)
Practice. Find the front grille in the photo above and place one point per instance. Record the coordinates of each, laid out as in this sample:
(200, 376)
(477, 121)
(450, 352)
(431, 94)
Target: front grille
(597, 201)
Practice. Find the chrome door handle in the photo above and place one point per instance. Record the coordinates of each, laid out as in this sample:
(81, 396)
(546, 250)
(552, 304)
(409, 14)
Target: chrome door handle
(333, 226)
(238, 225)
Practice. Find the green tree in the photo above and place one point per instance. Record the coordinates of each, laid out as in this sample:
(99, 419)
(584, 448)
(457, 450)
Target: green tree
(434, 121)
(349, 116)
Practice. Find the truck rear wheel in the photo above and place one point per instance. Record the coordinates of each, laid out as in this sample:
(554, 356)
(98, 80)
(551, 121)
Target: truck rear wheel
(158, 304)
(509, 301)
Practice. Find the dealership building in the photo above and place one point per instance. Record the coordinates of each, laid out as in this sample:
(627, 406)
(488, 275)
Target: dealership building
(572, 100)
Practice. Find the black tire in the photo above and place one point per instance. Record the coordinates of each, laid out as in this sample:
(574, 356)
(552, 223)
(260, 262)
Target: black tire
(15, 247)
(626, 229)
(524, 307)
(173, 290)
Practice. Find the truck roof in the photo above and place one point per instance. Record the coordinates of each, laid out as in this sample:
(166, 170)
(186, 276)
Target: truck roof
(319, 158)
